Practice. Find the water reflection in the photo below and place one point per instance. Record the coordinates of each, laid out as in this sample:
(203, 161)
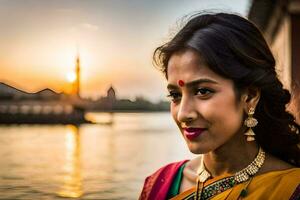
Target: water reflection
(72, 180)
(104, 118)
(95, 162)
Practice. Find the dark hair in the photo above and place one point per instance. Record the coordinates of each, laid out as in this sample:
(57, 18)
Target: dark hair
(234, 48)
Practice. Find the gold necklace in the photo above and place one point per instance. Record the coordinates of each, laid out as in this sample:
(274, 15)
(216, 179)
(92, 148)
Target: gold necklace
(239, 177)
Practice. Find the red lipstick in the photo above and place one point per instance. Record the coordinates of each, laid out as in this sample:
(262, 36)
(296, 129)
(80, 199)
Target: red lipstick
(192, 133)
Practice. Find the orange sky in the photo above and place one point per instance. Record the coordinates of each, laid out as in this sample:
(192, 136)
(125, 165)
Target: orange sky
(115, 40)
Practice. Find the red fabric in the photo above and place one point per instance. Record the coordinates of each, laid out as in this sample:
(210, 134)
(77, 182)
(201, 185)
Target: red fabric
(157, 185)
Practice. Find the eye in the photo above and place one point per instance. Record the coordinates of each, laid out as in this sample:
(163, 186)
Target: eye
(204, 92)
(174, 96)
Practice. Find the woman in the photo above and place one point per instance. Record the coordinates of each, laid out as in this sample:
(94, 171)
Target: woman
(231, 108)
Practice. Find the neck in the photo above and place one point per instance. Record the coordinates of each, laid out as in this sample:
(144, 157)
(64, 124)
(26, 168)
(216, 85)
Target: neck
(231, 157)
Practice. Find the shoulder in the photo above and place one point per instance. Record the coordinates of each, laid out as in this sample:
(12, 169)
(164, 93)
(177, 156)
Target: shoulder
(287, 176)
(290, 176)
(273, 164)
(279, 170)
(167, 170)
(283, 183)
(275, 180)
(157, 184)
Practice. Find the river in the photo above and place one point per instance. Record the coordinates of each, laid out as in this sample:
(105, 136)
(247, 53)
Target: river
(91, 161)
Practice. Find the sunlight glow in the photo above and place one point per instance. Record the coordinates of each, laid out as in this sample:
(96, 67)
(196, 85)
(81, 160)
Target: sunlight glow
(71, 77)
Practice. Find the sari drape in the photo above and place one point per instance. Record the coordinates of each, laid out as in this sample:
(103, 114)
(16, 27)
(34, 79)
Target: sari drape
(158, 184)
(279, 185)
(283, 184)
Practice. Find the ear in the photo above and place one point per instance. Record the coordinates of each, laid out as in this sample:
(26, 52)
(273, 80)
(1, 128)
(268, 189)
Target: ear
(250, 98)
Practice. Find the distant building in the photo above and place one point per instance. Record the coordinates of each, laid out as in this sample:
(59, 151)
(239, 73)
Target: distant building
(279, 21)
(42, 107)
(111, 94)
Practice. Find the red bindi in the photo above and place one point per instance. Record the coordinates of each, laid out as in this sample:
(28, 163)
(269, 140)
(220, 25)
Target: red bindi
(181, 83)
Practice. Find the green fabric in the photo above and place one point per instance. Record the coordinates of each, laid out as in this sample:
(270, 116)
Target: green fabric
(174, 190)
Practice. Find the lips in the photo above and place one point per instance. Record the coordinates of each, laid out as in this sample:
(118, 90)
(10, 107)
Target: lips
(193, 133)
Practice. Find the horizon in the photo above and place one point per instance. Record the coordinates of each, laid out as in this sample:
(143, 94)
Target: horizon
(135, 98)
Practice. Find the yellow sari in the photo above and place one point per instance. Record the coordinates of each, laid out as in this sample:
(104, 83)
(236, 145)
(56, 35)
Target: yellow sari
(275, 185)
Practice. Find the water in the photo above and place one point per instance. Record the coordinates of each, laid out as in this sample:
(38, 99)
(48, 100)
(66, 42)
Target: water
(87, 162)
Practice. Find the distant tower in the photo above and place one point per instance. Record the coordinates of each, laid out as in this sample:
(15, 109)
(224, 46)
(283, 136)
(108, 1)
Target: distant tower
(77, 82)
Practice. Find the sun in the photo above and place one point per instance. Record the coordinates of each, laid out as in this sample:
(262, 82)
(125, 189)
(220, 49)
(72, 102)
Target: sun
(71, 77)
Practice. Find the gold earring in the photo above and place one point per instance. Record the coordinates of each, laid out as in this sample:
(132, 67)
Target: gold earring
(250, 122)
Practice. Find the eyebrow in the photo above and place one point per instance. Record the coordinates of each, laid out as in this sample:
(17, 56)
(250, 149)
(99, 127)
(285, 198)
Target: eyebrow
(193, 83)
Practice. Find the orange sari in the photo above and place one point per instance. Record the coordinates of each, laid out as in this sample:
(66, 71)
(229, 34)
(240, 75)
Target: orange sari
(284, 184)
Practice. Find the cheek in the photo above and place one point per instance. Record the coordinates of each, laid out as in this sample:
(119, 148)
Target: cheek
(223, 113)
(229, 120)
(232, 124)
(232, 112)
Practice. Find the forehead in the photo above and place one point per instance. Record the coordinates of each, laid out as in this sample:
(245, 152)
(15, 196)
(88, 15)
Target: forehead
(187, 66)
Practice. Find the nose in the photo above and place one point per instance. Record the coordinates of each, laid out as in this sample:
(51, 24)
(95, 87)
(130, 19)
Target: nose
(187, 111)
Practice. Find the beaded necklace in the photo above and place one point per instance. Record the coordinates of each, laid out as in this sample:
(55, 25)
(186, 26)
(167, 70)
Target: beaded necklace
(228, 182)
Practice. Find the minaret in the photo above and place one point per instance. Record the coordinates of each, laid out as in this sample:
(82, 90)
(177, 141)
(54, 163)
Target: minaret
(77, 83)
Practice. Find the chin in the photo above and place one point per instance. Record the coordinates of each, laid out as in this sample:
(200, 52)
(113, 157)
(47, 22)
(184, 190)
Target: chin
(197, 152)
(195, 148)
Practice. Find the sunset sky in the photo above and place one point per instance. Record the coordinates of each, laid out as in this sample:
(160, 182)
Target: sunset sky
(115, 40)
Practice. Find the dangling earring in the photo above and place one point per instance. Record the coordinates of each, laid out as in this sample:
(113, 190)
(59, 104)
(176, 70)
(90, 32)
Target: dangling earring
(250, 122)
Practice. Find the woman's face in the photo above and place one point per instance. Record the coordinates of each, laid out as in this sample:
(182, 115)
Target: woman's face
(204, 104)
